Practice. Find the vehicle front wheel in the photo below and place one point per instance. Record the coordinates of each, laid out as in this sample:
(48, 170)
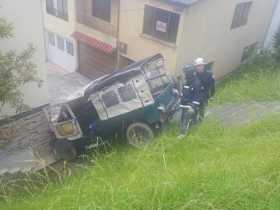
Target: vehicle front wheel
(139, 134)
(65, 150)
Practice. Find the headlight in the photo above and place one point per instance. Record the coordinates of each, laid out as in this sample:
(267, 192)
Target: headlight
(66, 129)
(161, 108)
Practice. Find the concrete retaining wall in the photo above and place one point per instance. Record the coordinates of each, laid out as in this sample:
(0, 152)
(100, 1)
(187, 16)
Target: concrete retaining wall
(25, 132)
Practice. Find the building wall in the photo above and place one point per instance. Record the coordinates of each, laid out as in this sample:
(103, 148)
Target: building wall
(274, 26)
(205, 30)
(140, 46)
(208, 33)
(96, 34)
(84, 16)
(95, 27)
(64, 28)
(95, 62)
(28, 28)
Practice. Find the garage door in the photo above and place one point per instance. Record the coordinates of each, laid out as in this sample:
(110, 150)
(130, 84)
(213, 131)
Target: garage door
(94, 63)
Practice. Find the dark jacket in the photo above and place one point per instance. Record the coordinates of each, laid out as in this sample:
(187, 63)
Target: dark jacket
(198, 87)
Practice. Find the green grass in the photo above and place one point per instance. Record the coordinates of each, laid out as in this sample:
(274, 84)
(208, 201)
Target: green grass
(213, 168)
(257, 81)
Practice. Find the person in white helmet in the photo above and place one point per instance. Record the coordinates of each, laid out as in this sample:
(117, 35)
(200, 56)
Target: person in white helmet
(199, 87)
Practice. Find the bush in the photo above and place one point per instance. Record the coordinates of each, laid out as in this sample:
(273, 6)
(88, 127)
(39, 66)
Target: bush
(16, 70)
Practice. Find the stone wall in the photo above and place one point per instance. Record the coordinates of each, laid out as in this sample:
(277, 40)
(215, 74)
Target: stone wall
(26, 131)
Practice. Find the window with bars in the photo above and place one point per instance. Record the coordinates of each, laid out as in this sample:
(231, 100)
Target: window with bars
(249, 51)
(58, 8)
(241, 14)
(161, 24)
(102, 9)
(62, 43)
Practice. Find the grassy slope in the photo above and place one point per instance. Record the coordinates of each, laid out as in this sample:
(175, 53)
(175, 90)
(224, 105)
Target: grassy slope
(214, 168)
(234, 168)
(259, 81)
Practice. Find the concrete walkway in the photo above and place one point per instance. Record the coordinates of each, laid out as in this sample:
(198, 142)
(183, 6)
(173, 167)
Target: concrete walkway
(239, 114)
(63, 84)
(244, 113)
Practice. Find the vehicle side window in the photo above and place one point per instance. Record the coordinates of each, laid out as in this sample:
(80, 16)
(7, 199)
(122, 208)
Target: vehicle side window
(110, 99)
(127, 93)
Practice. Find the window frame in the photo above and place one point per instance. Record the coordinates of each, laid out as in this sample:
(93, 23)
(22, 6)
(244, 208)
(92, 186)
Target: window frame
(248, 51)
(241, 14)
(52, 8)
(154, 15)
(96, 12)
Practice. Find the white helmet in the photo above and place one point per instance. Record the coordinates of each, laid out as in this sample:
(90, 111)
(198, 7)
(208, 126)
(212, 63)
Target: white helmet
(199, 61)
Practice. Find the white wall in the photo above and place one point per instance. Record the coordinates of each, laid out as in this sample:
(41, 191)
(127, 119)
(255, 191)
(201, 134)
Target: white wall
(275, 25)
(208, 33)
(28, 28)
(64, 28)
(204, 30)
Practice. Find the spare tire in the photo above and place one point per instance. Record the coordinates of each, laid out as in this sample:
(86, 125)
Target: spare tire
(139, 134)
(65, 150)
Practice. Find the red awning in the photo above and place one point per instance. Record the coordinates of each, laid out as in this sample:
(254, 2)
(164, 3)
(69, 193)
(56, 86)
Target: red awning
(97, 44)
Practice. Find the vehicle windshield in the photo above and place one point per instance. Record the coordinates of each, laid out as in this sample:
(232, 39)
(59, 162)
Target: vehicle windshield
(156, 75)
(58, 113)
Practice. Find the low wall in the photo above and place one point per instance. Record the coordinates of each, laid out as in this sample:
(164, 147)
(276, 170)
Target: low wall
(29, 130)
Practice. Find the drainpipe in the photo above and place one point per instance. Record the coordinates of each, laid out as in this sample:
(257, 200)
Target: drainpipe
(118, 36)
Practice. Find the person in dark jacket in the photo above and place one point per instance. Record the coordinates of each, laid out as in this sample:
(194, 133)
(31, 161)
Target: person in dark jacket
(199, 87)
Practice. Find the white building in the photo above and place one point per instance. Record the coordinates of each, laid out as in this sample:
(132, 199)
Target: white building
(27, 21)
(59, 21)
(274, 26)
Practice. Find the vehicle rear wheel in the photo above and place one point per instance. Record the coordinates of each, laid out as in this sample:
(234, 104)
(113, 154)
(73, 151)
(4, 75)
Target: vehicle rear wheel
(139, 134)
(65, 150)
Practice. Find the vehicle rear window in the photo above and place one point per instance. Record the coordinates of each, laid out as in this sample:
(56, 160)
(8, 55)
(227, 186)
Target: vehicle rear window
(127, 93)
(110, 99)
(158, 83)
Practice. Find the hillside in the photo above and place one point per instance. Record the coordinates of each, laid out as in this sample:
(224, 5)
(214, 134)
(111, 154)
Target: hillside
(215, 167)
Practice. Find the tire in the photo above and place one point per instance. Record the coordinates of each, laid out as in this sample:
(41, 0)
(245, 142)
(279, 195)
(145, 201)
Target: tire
(139, 134)
(65, 150)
